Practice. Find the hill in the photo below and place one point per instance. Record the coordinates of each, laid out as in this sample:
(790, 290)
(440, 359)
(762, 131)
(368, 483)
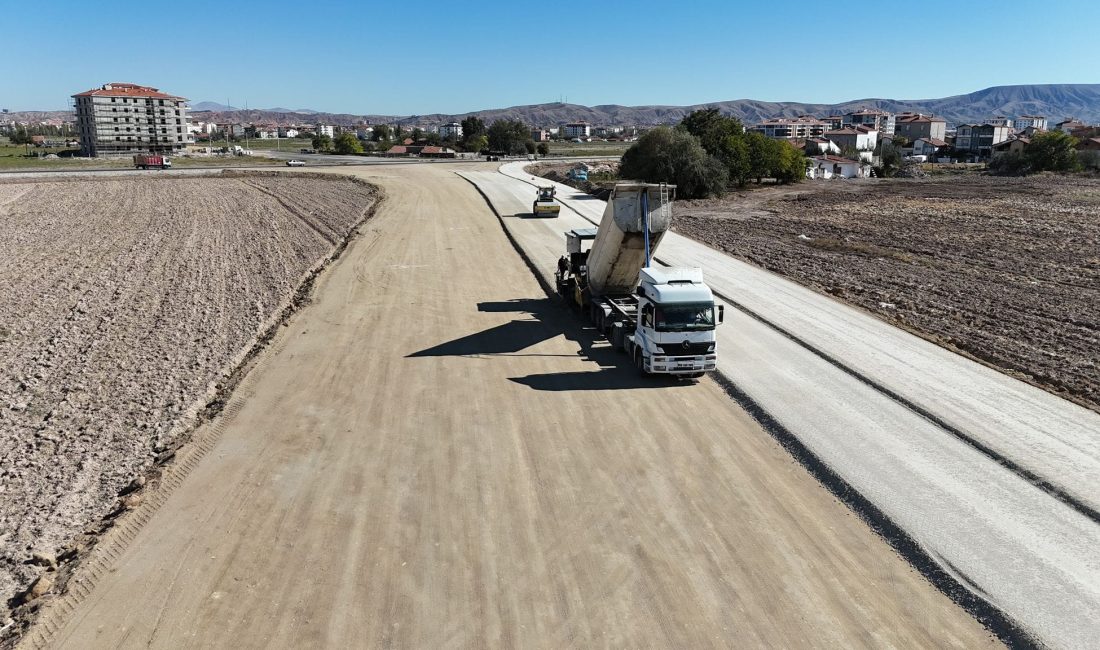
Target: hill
(1055, 101)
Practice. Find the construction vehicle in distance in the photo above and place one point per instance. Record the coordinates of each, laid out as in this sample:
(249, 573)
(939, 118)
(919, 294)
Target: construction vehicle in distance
(545, 204)
(663, 317)
(152, 161)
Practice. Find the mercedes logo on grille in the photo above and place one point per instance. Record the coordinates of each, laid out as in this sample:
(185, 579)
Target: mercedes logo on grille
(687, 344)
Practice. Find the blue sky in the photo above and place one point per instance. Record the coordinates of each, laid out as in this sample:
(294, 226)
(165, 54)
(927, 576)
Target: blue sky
(419, 57)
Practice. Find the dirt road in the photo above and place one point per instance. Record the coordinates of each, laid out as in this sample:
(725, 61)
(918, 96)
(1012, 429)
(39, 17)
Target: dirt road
(434, 455)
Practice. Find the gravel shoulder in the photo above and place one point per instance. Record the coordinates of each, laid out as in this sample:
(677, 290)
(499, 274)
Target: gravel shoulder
(127, 304)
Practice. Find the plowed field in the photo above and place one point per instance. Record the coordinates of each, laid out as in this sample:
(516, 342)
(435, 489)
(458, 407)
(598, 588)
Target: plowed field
(1006, 270)
(123, 304)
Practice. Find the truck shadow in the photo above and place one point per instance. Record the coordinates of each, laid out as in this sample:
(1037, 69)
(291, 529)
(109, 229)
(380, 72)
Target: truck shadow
(545, 320)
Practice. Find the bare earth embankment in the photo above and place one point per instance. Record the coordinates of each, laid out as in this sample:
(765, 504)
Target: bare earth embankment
(124, 303)
(1006, 270)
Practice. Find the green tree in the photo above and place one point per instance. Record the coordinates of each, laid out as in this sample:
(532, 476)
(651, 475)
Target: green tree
(792, 164)
(322, 142)
(346, 144)
(381, 132)
(543, 149)
(665, 155)
(433, 138)
(1052, 151)
(477, 143)
(764, 155)
(417, 134)
(472, 127)
(530, 146)
(509, 136)
(891, 159)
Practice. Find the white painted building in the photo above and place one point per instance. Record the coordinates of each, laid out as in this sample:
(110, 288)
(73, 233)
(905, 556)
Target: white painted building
(325, 129)
(450, 130)
(1023, 122)
(826, 167)
(577, 130)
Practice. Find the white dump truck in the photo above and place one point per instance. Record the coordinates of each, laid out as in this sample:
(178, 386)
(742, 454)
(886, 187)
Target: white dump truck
(663, 317)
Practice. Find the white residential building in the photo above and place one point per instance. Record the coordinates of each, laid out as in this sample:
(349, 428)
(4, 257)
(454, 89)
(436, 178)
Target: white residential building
(325, 129)
(451, 130)
(577, 130)
(1038, 122)
(800, 128)
(833, 167)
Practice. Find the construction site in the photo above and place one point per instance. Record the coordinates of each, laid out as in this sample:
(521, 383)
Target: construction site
(455, 404)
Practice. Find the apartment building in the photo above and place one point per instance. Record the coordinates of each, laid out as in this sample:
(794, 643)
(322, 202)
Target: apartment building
(1024, 122)
(871, 118)
(915, 126)
(979, 139)
(793, 128)
(577, 130)
(119, 119)
(450, 130)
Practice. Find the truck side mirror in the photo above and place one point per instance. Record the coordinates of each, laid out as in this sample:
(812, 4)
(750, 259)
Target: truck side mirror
(721, 313)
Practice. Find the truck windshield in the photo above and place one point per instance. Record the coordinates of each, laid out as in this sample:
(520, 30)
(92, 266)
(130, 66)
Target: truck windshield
(679, 318)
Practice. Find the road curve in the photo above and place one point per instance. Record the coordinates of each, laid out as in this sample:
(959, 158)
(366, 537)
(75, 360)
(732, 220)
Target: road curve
(433, 454)
(1012, 543)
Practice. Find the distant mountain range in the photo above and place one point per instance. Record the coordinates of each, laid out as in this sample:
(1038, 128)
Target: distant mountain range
(1055, 101)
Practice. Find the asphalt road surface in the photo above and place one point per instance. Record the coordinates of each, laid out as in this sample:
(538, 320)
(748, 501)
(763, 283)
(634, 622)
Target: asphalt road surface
(995, 480)
(433, 454)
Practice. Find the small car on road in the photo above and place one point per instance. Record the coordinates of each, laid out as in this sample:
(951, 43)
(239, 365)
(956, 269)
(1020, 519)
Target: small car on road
(295, 163)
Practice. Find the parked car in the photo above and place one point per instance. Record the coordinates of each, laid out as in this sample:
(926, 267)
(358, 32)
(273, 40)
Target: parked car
(295, 163)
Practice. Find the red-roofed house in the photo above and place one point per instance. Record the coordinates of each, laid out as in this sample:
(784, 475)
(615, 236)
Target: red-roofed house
(119, 119)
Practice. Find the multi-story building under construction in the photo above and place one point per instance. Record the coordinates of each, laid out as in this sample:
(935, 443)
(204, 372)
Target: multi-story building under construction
(121, 118)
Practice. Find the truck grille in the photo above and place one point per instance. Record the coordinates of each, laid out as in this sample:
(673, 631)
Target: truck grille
(685, 349)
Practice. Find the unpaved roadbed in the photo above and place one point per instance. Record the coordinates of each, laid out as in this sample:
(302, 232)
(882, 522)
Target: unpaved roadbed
(125, 302)
(1005, 270)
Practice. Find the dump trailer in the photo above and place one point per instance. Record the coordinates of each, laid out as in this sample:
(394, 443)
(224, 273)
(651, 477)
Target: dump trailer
(662, 317)
(545, 204)
(151, 161)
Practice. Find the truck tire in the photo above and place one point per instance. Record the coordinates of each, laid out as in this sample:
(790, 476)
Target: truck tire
(639, 362)
(618, 336)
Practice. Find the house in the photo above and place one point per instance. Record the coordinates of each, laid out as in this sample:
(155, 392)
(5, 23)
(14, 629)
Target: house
(540, 135)
(286, 132)
(1000, 120)
(450, 130)
(1015, 144)
(1037, 122)
(785, 128)
(915, 126)
(880, 121)
(325, 129)
(1069, 125)
(826, 167)
(835, 122)
(816, 146)
(436, 152)
(979, 139)
(862, 139)
(1089, 144)
(928, 146)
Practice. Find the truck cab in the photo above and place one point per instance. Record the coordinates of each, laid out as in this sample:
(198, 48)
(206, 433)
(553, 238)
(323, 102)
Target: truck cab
(676, 317)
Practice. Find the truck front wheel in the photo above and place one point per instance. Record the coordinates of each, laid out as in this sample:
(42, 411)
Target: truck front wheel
(639, 362)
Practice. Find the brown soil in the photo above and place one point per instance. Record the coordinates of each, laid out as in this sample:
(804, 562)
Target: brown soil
(1006, 270)
(125, 303)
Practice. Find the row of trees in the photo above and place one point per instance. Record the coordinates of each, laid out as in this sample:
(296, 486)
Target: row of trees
(1050, 151)
(707, 152)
